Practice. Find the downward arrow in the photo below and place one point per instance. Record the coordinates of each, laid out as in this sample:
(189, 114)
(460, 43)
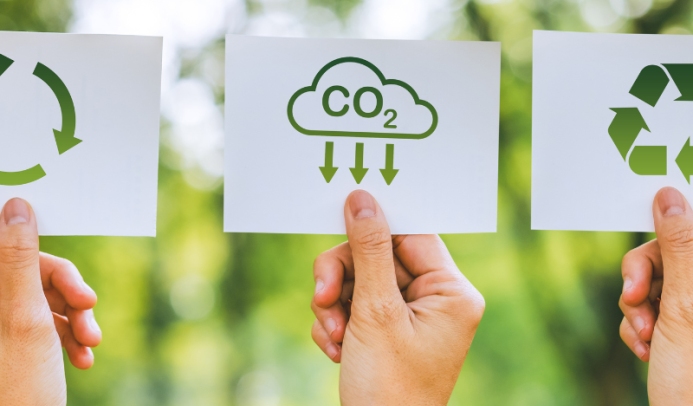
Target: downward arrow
(65, 138)
(328, 170)
(389, 172)
(685, 160)
(359, 171)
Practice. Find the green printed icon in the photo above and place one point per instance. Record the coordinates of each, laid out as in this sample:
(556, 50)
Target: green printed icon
(629, 122)
(64, 139)
(359, 172)
(389, 172)
(377, 117)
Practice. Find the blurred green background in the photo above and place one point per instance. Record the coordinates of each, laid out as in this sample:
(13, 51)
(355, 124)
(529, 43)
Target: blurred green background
(199, 317)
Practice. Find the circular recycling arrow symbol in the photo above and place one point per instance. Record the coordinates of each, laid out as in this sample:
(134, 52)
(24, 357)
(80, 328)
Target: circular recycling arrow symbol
(628, 122)
(64, 139)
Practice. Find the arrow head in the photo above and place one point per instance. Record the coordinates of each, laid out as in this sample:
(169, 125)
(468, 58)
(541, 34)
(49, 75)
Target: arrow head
(681, 75)
(685, 161)
(5, 63)
(389, 175)
(625, 127)
(65, 142)
(328, 173)
(358, 173)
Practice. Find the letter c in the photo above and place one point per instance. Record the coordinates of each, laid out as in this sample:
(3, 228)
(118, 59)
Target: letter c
(326, 101)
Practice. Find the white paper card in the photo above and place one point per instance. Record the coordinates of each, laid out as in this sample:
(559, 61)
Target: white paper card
(102, 90)
(298, 108)
(595, 165)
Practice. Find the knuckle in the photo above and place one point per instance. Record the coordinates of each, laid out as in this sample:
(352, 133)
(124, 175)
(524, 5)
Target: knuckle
(621, 305)
(315, 332)
(375, 242)
(476, 305)
(629, 259)
(314, 307)
(469, 303)
(319, 261)
(25, 325)
(384, 312)
(18, 250)
(682, 311)
(681, 238)
(67, 264)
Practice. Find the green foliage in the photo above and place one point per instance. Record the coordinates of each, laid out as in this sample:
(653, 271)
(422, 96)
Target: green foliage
(342, 8)
(34, 15)
(199, 317)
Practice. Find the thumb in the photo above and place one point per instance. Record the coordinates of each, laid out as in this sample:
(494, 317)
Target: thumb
(20, 275)
(371, 246)
(673, 220)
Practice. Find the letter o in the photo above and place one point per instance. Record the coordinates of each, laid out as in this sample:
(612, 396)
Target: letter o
(378, 102)
(326, 101)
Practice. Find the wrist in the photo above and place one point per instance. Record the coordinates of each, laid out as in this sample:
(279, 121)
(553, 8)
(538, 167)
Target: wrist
(670, 375)
(393, 393)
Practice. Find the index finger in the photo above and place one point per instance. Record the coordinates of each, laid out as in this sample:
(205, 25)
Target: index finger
(330, 269)
(638, 268)
(63, 276)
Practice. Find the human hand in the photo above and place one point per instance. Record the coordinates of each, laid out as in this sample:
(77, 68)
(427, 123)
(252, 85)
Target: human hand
(395, 311)
(44, 303)
(657, 301)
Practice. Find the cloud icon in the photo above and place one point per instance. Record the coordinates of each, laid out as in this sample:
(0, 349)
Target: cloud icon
(350, 97)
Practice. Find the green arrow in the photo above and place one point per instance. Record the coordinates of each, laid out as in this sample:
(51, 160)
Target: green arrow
(648, 160)
(26, 176)
(65, 138)
(682, 74)
(389, 172)
(685, 160)
(359, 171)
(625, 127)
(328, 170)
(650, 84)
(5, 63)
(23, 177)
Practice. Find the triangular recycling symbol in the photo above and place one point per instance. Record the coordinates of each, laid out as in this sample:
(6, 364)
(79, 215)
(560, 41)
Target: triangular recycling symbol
(629, 122)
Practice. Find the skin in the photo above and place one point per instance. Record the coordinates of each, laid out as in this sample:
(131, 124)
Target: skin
(394, 310)
(657, 301)
(44, 304)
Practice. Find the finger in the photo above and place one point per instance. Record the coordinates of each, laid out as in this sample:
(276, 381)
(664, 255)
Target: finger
(80, 356)
(332, 319)
(421, 254)
(56, 301)
(641, 318)
(62, 275)
(639, 267)
(347, 292)
(84, 327)
(346, 298)
(19, 256)
(673, 220)
(329, 271)
(640, 348)
(404, 278)
(322, 339)
(434, 283)
(335, 267)
(656, 295)
(428, 259)
(371, 245)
